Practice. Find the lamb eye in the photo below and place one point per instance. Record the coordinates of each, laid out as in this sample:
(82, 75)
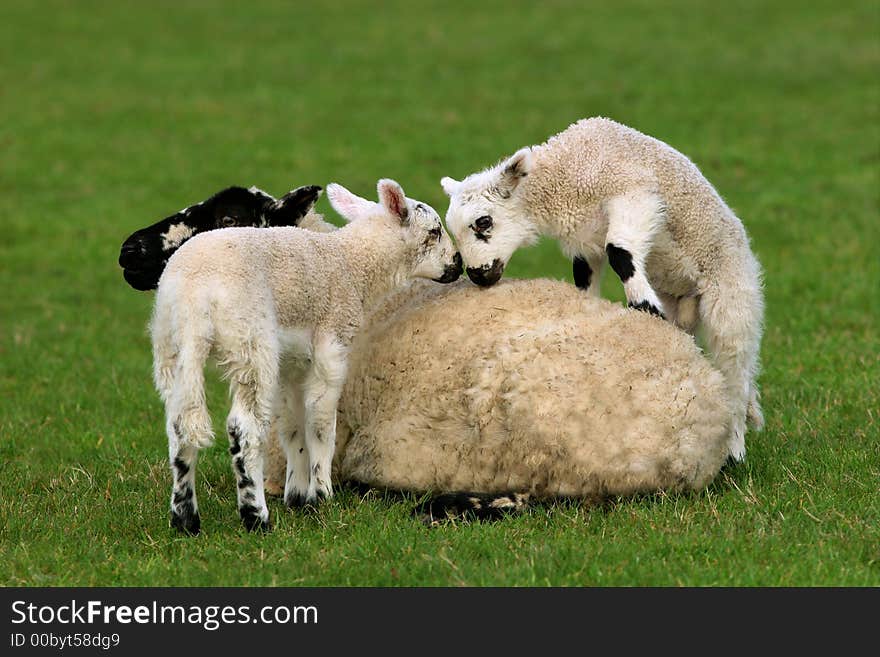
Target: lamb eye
(435, 233)
(227, 221)
(483, 224)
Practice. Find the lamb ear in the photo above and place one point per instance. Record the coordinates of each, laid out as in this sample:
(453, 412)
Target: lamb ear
(392, 198)
(450, 185)
(293, 206)
(516, 168)
(349, 206)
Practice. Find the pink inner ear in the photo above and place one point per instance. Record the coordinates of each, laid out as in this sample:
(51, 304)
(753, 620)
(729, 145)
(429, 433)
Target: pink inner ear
(395, 201)
(399, 204)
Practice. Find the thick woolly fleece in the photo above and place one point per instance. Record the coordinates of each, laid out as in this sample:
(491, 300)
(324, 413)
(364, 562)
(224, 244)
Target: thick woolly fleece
(529, 386)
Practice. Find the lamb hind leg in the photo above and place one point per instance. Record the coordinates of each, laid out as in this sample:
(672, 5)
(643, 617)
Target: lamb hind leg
(180, 381)
(248, 427)
(732, 323)
(633, 220)
(246, 437)
(184, 507)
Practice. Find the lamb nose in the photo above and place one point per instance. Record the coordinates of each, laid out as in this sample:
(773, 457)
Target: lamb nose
(487, 275)
(451, 273)
(456, 268)
(130, 250)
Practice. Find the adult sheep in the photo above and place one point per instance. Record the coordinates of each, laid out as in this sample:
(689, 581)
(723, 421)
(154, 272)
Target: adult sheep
(533, 390)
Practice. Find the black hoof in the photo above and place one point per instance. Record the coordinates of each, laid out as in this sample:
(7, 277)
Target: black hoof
(309, 504)
(295, 500)
(186, 522)
(649, 308)
(731, 463)
(317, 499)
(256, 524)
(251, 520)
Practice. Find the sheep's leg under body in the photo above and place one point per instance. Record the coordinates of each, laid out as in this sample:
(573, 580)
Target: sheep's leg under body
(681, 311)
(184, 507)
(633, 220)
(321, 392)
(320, 435)
(253, 393)
(291, 433)
(587, 271)
(732, 321)
(179, 378)
(246, 437)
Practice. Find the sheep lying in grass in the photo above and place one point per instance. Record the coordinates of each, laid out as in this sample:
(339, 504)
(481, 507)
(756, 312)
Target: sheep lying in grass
(279, 308)
(534, 388)
(603, 189)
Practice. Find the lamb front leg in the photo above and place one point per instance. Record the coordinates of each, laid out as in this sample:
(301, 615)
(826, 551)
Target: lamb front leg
(633, 220)
(291, 434)
(587, 272)
(321, 393)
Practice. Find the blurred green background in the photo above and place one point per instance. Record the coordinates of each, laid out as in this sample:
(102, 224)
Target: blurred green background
(114, 115)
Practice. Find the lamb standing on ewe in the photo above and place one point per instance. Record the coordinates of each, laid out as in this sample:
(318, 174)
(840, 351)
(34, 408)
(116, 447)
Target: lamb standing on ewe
(560, 394)
(603, 189)
(279, 307)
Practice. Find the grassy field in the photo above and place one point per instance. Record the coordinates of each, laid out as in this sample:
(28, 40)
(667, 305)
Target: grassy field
(114, 115)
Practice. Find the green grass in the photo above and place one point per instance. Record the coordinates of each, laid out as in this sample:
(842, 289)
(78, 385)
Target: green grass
(113, 115)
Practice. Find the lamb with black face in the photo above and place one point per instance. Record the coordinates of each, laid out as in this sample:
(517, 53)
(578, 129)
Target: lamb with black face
(145, 252)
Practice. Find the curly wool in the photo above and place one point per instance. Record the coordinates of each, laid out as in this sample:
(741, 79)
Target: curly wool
(528, 386)
(599, 159)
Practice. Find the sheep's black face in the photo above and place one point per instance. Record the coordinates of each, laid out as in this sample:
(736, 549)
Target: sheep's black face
(145, 253)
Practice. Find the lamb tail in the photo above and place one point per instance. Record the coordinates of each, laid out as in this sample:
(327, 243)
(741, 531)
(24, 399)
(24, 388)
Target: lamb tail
(479, 506)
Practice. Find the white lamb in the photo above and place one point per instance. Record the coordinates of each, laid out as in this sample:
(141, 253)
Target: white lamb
(533, 389)
(603, 189)
(279, 308)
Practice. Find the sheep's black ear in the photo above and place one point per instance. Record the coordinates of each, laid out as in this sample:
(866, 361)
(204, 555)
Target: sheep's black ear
(293, 206)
